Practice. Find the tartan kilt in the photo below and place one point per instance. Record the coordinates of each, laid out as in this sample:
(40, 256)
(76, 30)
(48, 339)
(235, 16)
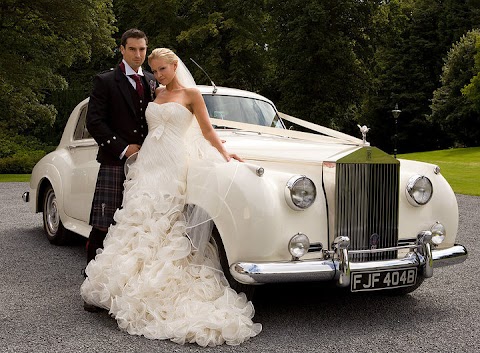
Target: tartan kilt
(108, 195)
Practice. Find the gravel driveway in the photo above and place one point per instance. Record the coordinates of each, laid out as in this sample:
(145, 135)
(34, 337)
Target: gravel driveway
(41, 309)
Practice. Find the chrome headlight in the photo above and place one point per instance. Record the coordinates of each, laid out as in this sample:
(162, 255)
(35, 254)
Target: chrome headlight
(419, 190)
(298, 245)
(438, 233)
(300, 192)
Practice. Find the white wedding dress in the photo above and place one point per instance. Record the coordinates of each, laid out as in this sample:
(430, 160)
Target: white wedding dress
(147, 275)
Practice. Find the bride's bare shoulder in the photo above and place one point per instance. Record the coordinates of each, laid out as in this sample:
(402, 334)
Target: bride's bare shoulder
(192, 90)
(192, 93)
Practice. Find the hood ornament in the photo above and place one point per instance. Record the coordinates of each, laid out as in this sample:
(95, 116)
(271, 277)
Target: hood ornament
(364, 129)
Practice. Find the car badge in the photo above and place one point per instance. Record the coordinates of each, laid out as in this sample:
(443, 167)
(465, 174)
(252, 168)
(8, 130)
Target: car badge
(364, 129)
(374, 240)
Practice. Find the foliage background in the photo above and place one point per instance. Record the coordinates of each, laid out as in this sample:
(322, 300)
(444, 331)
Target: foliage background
(335, 63)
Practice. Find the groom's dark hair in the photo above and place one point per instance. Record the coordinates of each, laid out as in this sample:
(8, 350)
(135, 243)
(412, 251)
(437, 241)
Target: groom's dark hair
(133, 33)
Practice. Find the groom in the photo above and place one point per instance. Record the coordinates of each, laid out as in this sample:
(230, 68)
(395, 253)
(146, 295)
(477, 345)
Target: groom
(116, 120)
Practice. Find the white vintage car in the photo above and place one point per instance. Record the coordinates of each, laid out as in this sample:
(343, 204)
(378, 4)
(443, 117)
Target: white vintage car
(319, 206)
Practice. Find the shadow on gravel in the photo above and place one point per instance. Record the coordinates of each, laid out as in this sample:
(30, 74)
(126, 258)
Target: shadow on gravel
(324, 300)
(74, 239)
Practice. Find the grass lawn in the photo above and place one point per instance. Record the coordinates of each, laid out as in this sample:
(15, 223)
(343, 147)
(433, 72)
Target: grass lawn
(460, 166)
(14, 177)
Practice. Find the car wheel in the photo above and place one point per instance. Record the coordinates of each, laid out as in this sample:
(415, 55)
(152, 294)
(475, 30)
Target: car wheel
(249, 290)
(52, 225)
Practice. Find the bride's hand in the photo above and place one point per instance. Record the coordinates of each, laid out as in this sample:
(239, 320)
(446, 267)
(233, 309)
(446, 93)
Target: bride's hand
(229, 156)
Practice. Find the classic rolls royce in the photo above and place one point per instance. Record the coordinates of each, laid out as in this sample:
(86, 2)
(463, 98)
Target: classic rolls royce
(305, 207)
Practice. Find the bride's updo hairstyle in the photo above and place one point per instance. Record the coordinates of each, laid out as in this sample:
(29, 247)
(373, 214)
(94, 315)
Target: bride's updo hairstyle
(184, 76)
(163, 53)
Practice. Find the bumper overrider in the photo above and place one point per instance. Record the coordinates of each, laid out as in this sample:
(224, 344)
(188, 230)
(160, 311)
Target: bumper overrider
(336, 265)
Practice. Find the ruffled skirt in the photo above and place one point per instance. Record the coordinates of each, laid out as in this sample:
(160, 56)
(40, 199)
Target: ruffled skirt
(149, 280)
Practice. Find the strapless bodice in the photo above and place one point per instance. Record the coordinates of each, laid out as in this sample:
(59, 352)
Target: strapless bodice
(168, 116)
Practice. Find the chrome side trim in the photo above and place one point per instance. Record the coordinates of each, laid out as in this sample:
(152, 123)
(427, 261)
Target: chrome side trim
(393, 248)
(450, 256)
(329, 270)
(287, 271)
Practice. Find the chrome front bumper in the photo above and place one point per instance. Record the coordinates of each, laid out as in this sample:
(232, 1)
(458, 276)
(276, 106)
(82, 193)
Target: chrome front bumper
(339, 268)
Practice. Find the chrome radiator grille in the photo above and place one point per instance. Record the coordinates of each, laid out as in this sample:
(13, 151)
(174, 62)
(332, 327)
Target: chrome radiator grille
(366, 199)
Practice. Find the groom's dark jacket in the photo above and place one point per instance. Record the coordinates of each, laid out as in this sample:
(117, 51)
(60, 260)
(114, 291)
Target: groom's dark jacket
(116, 114)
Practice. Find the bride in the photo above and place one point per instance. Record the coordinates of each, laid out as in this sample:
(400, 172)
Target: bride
(150, 276)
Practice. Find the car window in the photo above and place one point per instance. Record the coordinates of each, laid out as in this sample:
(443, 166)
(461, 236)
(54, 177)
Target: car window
(243, 110)
(81, 131)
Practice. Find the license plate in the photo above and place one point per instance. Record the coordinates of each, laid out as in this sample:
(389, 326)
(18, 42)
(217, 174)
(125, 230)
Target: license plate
(383, 279)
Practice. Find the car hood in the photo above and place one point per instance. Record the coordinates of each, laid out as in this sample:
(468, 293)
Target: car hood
(265, 147)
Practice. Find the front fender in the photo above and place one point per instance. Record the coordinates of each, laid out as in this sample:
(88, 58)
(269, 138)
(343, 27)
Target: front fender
(236, 198)
(250, 212)
(441, 208)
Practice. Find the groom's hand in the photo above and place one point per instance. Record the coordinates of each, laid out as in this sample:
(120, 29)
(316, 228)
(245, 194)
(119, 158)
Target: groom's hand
(132, 149)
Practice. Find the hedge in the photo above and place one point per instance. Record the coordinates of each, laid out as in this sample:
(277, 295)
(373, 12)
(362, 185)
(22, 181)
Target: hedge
(21, 162)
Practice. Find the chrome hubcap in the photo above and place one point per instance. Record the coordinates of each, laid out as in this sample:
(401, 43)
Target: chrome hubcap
(52, 219)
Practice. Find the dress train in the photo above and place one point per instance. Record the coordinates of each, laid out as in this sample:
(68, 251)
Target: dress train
(148, 275)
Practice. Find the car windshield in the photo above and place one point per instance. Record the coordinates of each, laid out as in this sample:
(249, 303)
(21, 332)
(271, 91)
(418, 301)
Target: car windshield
(243, 110)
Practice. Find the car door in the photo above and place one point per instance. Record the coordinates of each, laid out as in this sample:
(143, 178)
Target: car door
(82, 152)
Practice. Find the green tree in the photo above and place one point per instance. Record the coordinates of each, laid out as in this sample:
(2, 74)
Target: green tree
(320, 52)
(42, 39)
(458, 113)
(408, 65)
(227, 38)
(387, 71)
(162, 21)
(472, 90)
